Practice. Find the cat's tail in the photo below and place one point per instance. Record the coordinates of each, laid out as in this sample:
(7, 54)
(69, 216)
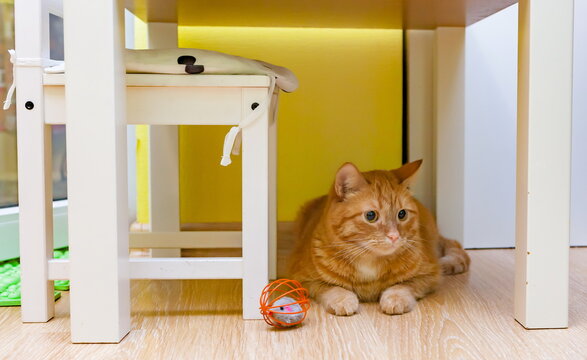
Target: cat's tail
(454, 259)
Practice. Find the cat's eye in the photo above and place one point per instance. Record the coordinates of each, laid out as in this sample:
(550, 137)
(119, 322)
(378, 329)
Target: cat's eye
(402, 214)
(371, 216)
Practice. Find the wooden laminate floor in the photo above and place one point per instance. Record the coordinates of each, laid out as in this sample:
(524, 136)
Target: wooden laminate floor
(469, 318)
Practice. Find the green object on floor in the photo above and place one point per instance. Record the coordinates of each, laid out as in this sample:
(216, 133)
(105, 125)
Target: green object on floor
(10, 280)
(61, 254)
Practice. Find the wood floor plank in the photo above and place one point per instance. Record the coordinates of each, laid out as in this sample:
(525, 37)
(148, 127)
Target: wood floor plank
(470, 317)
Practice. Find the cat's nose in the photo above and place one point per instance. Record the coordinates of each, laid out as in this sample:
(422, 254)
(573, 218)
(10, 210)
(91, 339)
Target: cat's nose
(393, 235)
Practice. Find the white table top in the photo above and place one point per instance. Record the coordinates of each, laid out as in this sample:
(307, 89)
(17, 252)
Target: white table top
(352, 14)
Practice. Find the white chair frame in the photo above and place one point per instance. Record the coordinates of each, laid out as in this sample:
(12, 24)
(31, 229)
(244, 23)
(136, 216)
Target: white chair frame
(99, 267)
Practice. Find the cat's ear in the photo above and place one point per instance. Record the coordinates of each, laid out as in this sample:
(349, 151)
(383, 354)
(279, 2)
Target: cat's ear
(406, 173)
(348, 180)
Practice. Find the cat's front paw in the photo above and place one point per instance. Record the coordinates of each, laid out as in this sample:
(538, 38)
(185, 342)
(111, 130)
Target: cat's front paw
(339, 301)
(397, 300)
(455, 263)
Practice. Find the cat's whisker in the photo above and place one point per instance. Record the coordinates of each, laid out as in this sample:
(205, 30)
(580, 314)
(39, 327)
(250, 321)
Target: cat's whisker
(357, 251)
(343, 253)
(356, 256)
(334, 245)
(353, 253)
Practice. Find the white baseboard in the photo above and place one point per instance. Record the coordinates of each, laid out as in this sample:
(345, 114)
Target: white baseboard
(9, 248)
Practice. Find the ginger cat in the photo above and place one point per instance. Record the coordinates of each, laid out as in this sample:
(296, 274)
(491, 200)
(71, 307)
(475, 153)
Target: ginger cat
(369, 239)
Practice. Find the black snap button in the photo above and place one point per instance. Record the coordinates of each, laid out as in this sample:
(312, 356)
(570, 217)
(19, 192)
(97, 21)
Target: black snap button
(254, 105)
(29, 105)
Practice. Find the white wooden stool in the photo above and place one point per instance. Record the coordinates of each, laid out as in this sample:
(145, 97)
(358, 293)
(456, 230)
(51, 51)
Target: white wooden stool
(101, 101)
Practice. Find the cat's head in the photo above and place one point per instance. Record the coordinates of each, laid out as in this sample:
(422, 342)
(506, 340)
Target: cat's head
(374, 212)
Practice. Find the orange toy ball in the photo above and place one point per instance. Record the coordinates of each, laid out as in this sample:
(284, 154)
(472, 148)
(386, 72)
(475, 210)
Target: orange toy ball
(284, 303)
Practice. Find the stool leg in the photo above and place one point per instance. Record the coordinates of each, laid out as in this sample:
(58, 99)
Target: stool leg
(164, 184)
(163, 156)
(255, 142)
(34, 167)
(273, 195)
(97, 171)
(36, 220)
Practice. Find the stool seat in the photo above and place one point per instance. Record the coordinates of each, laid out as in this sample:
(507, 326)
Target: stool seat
(178, 80)
(157, 99)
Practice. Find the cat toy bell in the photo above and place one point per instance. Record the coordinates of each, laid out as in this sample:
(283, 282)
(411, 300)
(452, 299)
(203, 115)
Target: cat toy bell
(284, 303)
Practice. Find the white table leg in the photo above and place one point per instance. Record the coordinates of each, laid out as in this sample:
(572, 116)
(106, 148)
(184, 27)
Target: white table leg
(35, 194)
(543, 162)
(450, 120)
(255, 205)
(163, 157)
(97, 173)
(420, 57)
(579, 165)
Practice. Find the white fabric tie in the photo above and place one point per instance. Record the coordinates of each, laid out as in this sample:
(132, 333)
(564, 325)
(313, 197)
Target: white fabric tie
(10, 93)
(23, 62)
(232, 140)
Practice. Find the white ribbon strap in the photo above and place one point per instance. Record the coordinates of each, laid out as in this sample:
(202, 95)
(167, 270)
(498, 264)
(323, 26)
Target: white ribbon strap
(232, 140)
(23, 62)
(10, 93)
(228, 142)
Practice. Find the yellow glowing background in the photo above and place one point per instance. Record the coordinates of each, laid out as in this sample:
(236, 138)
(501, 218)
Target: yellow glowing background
(348, 108)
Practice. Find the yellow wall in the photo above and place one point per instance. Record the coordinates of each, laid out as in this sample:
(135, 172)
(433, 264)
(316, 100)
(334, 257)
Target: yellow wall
(142, 136)
(348, 108)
